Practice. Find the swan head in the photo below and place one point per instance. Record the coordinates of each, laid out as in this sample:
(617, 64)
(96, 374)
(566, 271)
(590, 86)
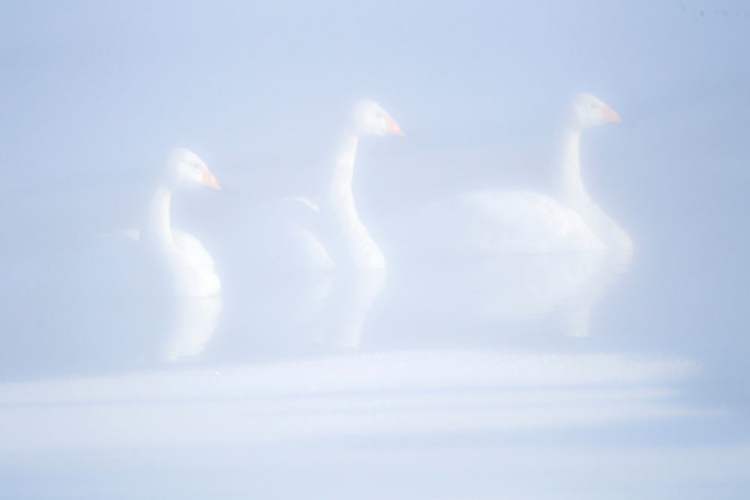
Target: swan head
(369, 118)
(185, 168)
(590, 111)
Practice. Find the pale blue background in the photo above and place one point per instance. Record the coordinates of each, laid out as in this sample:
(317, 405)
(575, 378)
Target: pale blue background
(93, 94)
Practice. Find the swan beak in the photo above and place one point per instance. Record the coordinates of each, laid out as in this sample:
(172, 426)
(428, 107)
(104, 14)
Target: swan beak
(209, 179)
(392, 127)
(610, 114)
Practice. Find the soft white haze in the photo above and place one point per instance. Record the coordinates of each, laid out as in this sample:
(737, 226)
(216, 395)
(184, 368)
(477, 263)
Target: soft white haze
(460, 250)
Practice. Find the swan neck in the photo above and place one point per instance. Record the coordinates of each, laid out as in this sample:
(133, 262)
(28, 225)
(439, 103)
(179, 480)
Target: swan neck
(574, 190)
(159, 228)
(343, 169)
(358, 248)
(577, 197)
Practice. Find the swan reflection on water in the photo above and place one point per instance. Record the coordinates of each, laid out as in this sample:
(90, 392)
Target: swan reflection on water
(516, 287)
(193, 323)
(342, 320)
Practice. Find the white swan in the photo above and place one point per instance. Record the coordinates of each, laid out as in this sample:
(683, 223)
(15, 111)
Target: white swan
(190, 268)
(182, 259)
(360, 250)
(312, 268)
(341, 239)
(521, 253)
(497, 221)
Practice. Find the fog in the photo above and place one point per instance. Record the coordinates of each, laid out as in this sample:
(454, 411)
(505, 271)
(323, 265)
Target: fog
(374, 250)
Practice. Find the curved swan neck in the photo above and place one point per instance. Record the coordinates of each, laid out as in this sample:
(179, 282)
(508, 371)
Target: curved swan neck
(573, 188)
(343, 170)
(577, 198)
(359, 247)
(158, 227)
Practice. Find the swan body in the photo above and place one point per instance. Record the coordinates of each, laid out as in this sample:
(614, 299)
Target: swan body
(494, 222)
(190, 265)
(522, 222)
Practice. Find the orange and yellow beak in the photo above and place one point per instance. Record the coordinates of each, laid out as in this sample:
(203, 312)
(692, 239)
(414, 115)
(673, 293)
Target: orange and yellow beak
(392, 127)
(610, 114)
(209, 179)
